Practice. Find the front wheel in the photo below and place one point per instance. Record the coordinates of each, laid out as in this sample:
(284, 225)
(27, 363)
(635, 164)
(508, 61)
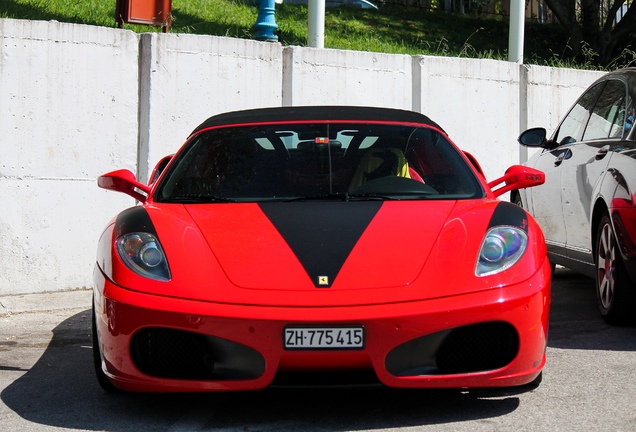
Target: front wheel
(615, 293)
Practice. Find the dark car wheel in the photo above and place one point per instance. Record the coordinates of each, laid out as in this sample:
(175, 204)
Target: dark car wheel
(102, 379)
(615, 294)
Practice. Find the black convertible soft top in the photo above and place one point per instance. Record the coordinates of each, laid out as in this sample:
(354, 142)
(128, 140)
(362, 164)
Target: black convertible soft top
(313, 113)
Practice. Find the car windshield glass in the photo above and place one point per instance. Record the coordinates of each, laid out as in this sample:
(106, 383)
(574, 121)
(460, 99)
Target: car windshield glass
(322, 161)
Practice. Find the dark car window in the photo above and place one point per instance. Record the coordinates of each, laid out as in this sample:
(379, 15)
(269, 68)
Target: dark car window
(291, 161)
(608, 116)
(573, 124)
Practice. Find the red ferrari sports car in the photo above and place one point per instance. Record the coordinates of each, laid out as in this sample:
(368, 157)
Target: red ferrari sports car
(330, 245)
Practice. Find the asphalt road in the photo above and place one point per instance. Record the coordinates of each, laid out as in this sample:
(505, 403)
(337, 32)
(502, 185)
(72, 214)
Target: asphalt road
(47, 383)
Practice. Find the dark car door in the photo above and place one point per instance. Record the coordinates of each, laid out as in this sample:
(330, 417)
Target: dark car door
(585, 165)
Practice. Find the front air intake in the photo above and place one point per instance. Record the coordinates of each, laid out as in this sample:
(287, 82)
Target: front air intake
(473, 348)
(178, 354)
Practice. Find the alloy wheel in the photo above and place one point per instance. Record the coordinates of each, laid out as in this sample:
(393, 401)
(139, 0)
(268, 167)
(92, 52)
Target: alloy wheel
(606, 266)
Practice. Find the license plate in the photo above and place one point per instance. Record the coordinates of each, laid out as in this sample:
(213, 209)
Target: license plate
(324, 337)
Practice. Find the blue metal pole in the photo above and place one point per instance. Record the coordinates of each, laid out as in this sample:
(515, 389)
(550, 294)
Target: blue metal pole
(266, 21)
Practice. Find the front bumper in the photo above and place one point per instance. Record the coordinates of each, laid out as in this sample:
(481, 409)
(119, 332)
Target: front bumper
(153, 343)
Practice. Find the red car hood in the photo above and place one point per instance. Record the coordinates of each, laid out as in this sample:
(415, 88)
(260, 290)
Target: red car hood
(305, 246)
(323, 253)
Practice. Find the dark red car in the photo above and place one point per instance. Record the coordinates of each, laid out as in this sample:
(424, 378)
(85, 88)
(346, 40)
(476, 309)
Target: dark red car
(587, 206)
(304, 245)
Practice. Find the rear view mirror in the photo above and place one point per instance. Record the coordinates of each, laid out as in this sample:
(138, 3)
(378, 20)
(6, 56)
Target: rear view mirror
(517, 177)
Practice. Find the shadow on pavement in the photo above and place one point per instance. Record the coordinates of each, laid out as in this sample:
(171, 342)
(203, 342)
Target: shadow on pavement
(575, 322)
(60, 390)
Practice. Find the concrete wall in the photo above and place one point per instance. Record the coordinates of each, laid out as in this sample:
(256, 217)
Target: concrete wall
(77, 101)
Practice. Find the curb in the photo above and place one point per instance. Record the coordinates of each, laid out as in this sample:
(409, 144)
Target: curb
(48, 301)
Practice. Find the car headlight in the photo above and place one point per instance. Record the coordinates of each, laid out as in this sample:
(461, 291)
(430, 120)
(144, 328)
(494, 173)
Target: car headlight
(142, 253)
(501, 249)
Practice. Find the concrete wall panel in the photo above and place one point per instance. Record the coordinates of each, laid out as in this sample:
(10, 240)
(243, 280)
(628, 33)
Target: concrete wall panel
(473, 101)
(552, 91)
(335, 77)
(68, 112)
(187, 78)
(68, 95)
(49, 231)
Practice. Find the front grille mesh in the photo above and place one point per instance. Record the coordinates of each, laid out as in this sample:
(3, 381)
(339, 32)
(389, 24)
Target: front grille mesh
(177, 354)
(478, 347)
(472, 348)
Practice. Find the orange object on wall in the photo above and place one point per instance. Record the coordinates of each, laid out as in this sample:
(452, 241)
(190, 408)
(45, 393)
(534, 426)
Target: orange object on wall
(150, 12)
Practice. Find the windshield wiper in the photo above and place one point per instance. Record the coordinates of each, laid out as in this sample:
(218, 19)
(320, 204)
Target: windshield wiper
(340, 196)
(404, 195)
(197, 198)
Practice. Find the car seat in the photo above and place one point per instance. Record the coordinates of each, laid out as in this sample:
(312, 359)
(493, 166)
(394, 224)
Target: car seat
(380, 162)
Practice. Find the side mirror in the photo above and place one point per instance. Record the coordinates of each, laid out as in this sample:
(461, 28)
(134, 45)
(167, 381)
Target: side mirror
(517, 177)
(535, 137)
(124, 181)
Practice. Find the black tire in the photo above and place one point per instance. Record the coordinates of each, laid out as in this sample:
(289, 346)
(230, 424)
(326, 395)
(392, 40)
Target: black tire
(102, 379)
(615, 294)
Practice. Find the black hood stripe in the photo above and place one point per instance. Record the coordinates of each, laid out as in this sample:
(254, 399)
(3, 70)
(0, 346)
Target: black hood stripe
(321, 234)
(509, 214)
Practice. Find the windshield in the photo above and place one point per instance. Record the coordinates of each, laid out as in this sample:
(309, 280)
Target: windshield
(301, 161)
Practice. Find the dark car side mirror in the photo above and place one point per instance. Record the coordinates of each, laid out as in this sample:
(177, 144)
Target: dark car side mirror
(535, 137)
